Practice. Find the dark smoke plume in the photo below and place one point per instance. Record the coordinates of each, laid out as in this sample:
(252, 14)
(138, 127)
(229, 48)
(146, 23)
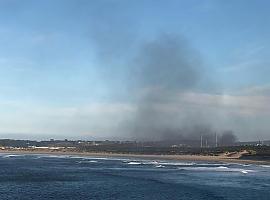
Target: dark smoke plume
(164, 68)
(169, 63)
(156, 74)
(227, 138)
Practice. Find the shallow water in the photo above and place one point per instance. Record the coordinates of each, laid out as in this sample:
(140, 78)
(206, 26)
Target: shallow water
(72, 177)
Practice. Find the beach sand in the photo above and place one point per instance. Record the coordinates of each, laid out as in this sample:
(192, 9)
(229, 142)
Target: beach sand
(226, 158)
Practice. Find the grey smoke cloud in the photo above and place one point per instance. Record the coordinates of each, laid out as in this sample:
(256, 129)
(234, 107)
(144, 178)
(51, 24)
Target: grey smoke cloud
(167, 62)
(154, 71)
(163, 68)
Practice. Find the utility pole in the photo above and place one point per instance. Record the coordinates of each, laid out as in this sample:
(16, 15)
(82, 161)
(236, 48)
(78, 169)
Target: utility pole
(201, 141)
(216, 139)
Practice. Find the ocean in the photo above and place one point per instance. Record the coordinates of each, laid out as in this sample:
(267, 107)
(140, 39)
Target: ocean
(72, 177)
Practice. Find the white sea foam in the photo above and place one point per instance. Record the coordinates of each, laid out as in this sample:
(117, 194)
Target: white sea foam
(217, 169)
(150, 162)
(241, 164)
(92, 161)
(156, 163)
(159, 166)
(89, 161)
(153, 163)
(213, 164)
(51, 156)
(134, 163)
(222, 167)
(96, 158)
(244, 171)
(265, 166)
(178, 163)
(107, 158)
(11, 156)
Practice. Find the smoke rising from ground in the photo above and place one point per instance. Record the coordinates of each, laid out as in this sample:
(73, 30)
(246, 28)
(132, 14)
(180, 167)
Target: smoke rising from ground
(164, 68)
(159, 73)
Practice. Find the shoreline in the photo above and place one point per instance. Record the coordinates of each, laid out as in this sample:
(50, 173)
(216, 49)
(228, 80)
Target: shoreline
(186, 157)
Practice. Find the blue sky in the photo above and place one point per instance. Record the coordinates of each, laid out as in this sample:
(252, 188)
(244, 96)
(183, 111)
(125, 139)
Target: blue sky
(64, 64)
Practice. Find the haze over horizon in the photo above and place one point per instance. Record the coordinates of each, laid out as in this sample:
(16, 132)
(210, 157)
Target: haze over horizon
(134, 69)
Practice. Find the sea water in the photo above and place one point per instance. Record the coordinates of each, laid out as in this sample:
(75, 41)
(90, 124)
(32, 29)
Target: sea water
(72, 177)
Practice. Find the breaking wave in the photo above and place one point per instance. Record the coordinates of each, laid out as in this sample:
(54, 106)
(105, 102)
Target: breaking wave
(217, 169)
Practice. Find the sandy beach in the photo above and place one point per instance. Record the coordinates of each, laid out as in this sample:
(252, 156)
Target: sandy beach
(235, 158)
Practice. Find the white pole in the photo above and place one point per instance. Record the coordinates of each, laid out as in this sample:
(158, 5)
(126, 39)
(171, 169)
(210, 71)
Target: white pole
(216, 139)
